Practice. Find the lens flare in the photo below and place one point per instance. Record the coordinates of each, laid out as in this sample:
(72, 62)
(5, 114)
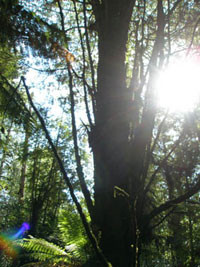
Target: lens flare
(6, 244)
(178, 86)
(25, 227)
(7, 247)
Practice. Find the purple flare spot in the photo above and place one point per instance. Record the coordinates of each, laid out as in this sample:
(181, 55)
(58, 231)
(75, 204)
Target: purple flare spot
(25, 227)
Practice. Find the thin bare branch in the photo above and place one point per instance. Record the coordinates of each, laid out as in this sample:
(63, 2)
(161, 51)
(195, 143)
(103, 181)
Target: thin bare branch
(159, 132)
(162, 162)
(84, 64)
(61, 16)
(168, 30)
(80, 173)
(193, 35)
(168, 204)
(84, 81)
(67, 180)
(90, 59)
(162, 220)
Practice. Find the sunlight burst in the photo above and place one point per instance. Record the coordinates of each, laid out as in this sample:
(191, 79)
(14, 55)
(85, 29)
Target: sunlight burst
(178, 86)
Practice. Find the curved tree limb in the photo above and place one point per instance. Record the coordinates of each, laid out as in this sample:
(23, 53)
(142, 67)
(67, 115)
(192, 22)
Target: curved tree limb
(168, 204)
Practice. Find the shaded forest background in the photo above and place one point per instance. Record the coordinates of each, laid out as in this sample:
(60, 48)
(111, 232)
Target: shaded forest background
(103, 175)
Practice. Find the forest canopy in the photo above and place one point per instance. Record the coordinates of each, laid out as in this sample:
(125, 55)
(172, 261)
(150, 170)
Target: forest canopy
(99, 133)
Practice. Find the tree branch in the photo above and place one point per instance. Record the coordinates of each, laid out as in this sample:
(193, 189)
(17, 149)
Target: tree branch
(160, 165)
(80, 173)
(89, 50)
(159, 132)
(162, 220)
(83, 74)
(168, 204)
(67, 180)
(19, 101)
(174, 7)
(79, 168)
(193, 35)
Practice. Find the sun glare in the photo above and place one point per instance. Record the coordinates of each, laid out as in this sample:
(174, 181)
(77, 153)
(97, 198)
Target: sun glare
(178, 86)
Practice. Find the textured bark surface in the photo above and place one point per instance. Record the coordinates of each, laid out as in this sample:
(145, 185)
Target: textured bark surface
(110, 144)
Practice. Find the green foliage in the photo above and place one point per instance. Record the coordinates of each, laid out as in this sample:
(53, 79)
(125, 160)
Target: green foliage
(70, 226)
(12, 100)
(5, 261)
(20, 25)
(46, 252)
(72, 232)
(9, 63)
(175, 237)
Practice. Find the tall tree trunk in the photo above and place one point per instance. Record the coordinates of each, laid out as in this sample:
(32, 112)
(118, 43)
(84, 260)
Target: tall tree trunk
(110, 144)
(119, 187)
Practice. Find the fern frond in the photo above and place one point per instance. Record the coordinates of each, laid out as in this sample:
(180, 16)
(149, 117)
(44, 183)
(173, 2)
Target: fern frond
(38, 244)
(42, 264)
(46, 252)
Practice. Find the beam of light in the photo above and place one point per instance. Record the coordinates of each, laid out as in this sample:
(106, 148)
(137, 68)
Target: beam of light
(6, 244)
(25, 227)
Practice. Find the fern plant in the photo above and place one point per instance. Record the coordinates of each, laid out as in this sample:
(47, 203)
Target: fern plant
(47, 254)
(40, 252)
(72, 233)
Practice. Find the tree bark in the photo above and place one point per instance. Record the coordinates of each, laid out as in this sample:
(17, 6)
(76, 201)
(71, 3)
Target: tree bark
(110, 134)
(118, 162)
